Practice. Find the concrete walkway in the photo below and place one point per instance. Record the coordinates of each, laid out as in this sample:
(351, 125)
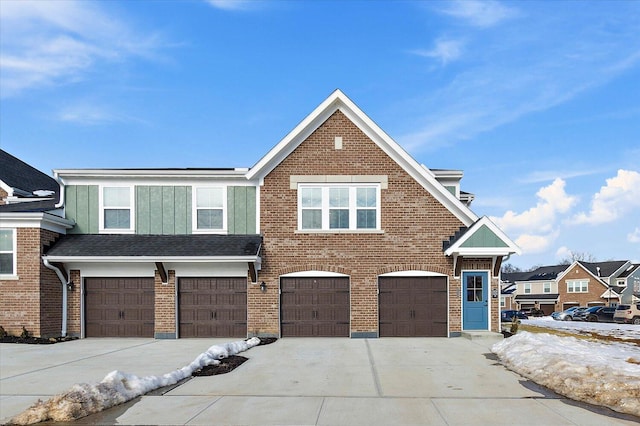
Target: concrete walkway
(300, 381)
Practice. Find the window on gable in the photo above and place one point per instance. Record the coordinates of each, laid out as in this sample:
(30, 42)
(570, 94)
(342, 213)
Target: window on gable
(338, 207)
(577, 286)
(116, 205)
(7, 252)
(210, 209)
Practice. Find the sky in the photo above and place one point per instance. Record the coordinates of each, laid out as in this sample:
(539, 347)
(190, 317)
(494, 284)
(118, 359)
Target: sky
(538, 102)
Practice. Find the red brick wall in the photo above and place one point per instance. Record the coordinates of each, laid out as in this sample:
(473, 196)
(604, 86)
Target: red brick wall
(74, 318)
(3, 197)
(415, 224)
(165, 303)
(596, 289)
(33, 300)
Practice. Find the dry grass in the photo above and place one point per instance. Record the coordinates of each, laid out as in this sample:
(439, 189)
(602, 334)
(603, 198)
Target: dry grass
(587, 335)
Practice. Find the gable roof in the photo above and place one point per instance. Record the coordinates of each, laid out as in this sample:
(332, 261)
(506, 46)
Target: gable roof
(580, 264)
(339, 101)
(22, 180)
(629, 270)
(482, 238)
(604, 269)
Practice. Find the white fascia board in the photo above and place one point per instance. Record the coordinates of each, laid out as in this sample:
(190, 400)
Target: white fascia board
(36, 220)
(8, 189)
(413, 273)
(141, 259)
(511, 248)
(610, 293)
(80, 176)
(338, 100)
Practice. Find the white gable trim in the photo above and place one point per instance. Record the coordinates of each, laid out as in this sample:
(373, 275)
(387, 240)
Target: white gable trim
(457, 248)
(339, 101)
(575, 264)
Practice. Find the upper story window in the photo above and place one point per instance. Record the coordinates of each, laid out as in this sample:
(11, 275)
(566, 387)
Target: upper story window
(621, 282)
(210, 209)
(577, 286)
(546, 287)
(339, 207)
(527, 288)
(117, 208)
(7, 252)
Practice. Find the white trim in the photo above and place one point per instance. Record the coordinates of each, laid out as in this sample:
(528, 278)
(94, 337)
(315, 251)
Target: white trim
(132, 210)
(463, 297)
(339, 101)
(413, 273)
(194, 210)
(42, 220)
(74, 175)
(575, 264)
(145, 259)
(14, 252)
(457, 249)
(313, 274)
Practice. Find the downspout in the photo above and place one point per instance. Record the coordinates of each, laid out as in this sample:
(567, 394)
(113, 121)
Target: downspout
(61, 185)
(64, 294)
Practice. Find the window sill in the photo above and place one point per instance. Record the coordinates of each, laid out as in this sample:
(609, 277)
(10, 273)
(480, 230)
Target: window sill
(209, 231)
(339, 231)
(9, 277)
(117, 231)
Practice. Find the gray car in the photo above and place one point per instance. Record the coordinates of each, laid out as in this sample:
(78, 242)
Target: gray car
(567, 314)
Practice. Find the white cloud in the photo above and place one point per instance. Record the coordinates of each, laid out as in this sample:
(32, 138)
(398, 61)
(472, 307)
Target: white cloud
(92, 114)
(618, 197)
(444, 51)
(479, 13)
(548, 175)
(51, 43)
(536, 227)
(563, 253)
(231, 4)
(634, 237)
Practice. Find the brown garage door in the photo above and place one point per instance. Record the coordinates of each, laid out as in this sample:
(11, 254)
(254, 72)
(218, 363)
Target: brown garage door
(212, 307)
(119, 307)
(314, 307)
(413, 306)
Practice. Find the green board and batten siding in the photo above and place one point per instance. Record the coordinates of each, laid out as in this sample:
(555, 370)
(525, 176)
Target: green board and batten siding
(241, 209)
(81, 204)
(484, 237)
(163, 210)
(160, 210)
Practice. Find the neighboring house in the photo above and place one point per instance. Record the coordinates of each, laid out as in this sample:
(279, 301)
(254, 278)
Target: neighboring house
(629, 283)
(336, 231)
(558, 287)
(31, 295)
(537, 288)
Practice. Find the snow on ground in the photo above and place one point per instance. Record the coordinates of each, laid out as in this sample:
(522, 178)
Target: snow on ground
(620, 331)
(119, 387)
(597, 372)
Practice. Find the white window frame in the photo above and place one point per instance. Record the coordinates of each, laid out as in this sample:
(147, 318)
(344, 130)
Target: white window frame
(621, 282)
(353, 208)
(546, 287)
(503, 302)
(131, 207)
(194, 210)
(571, 286)
(527, 288)
(14, 252)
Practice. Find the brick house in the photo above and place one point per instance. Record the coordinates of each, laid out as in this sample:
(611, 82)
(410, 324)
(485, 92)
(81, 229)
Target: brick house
(336, 231)
(31, 295)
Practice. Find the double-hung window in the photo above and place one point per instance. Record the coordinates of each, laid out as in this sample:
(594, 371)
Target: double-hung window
(117, 202)
(527, 288)
(577, 286)
(210, 209)
(338, 207)
(7, 252)
(546, 288)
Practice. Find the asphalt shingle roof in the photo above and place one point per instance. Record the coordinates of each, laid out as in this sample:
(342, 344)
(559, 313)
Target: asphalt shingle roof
(96, 245)
(18, 174)
(29, 207)
(606, 268)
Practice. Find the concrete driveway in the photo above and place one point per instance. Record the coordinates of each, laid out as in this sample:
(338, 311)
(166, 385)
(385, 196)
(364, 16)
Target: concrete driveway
(300, 381)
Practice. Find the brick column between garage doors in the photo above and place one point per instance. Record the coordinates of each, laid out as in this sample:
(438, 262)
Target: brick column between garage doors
(165, 306)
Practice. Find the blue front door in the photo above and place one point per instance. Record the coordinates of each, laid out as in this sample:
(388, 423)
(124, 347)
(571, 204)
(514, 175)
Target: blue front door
(475, 304)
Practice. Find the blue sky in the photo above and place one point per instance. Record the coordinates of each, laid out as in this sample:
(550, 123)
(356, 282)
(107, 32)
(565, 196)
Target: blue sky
(538, 102)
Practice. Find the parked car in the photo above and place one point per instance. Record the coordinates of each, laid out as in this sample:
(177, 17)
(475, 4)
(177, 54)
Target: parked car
(598, 314)
(567, 314)
(532, 312)
(509, 314)
(627, 314)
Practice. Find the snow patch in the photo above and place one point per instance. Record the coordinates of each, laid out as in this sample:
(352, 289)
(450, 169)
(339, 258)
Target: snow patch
(118, 387)
(600, 373)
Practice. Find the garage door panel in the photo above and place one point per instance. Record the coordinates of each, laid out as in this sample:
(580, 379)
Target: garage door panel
(412, 306)
(212, 307)
(315, 307)
(119, 307)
